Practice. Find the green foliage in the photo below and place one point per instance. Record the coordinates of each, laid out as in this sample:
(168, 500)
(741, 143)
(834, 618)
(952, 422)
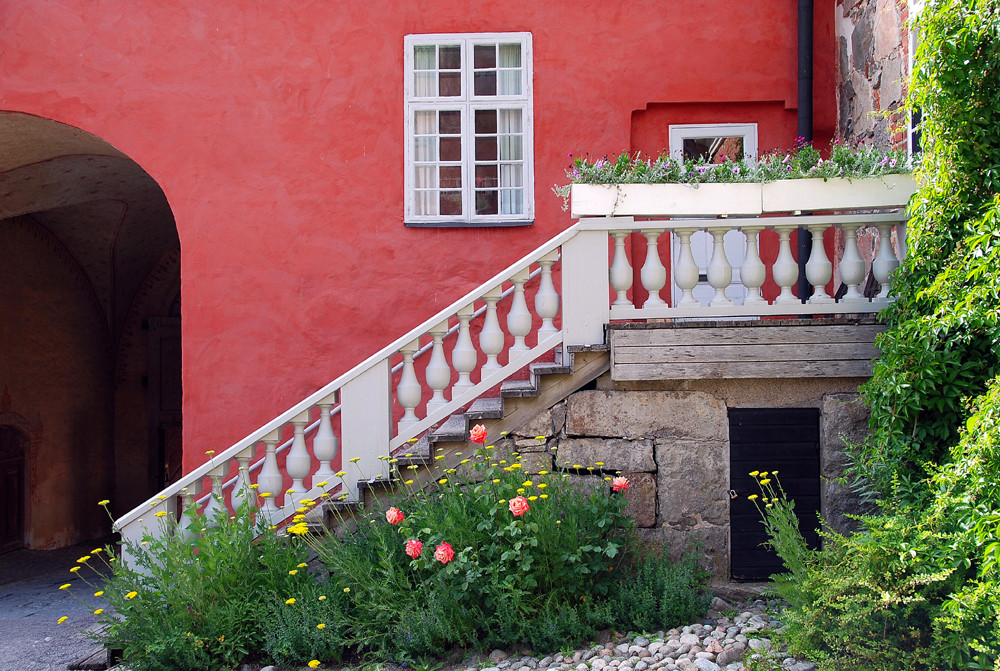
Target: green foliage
(198, 602)
(659, 593)
(801, 161)
(549, 577)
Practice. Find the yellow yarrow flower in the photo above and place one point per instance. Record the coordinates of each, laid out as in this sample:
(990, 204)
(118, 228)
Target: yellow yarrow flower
(532, 498)
(62, 619)
(323, 597)
(321, 626)
(752, 497)
(443, 481)
(543, 496)
(354, 460)
(763, 474)
(98, 611)
(131, 595)
(313, 664)
(496, 480)
(161, 513)
(754, 473)
(66, 586)
(765, 481)
(83, 559)
(96, 551)
(346, 590)
(74, 569)
(543, 472)
(598, 463)
(99, 592)
(293, 572)
(103, 502)
(542, 485)
(289, 602)
(527, 483)
(303, 565)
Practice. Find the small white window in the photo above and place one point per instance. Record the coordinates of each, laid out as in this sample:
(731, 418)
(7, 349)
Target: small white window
(714, 143)
(469, 129)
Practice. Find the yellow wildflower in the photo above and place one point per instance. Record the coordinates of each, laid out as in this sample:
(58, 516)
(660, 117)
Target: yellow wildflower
(440, 456)
(532, 498)
(543, 496)
(293, 571)
(520, 490)
(598, 463)
(527, 483)
(321, 626)
(83, 559)
(763, 474)
(98, 611)
(74, 569)
(542, 485)
(99, 592)
(103, 502)
(765, 481)
(289, 602)
(96, 551)
(323, 598)
(322, 484)
(161, 513)
(354, 460)
(346, 590)
(131, 595)
(754, 473)
(303, 565)
(408, 482)
(752, 497)
(443, 481)
(313, 664)
(577, 466)
(62, 619)
(496, 480)
(501, 501)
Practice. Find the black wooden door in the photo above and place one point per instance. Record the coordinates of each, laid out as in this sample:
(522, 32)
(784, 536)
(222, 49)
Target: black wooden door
(12, 448)
(769, 439)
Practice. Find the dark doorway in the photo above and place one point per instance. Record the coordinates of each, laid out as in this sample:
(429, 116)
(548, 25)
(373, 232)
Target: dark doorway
(769, 439)
(165, 399)
(13, 447)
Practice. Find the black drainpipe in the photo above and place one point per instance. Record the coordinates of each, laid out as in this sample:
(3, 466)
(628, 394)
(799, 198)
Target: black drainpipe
(805, 35)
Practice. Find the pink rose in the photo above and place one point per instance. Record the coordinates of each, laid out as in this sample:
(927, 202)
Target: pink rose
(619, 483)
(413, 548)
(478, 434)
(519, 506)
(394, 515)
(444, 553)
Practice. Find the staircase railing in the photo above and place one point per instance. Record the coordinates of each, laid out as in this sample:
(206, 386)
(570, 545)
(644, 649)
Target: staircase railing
(608, 268)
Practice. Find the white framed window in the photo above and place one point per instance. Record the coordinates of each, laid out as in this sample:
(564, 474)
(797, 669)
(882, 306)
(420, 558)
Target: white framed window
(469, 140)
(714, 142)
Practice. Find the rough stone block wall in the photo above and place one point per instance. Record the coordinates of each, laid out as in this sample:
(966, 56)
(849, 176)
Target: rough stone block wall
(673, 445)
(872, 70)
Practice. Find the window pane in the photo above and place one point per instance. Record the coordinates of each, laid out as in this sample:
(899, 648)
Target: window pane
(424, 122)
(451, 177)
(510, 83)
(425, 149)
(486, 122)
(484, 56)
(424, 84)
(451, 202)
(451, 57)
(425, 202)
(486, 176)
(424, 57)
(511, 175)
(451, 149)
(486, 83)
(486, 202)
(714, 149)
(450, 84)
(512, 201)
(510, 55)
(510, 148)
(486, 148)
(423, 177)
(450, 122)
(510, 121)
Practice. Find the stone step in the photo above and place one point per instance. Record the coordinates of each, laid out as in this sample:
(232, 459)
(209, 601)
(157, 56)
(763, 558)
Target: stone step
(490, 407)
(455, 428)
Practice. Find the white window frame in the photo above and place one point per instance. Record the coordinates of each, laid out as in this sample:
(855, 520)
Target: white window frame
(692, 131)
(468, 103)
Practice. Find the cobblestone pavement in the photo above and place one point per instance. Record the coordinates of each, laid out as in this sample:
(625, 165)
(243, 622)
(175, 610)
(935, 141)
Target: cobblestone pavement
(31, 604)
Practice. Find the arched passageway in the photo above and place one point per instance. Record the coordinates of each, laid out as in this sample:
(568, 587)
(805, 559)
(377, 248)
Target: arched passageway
(90, 329)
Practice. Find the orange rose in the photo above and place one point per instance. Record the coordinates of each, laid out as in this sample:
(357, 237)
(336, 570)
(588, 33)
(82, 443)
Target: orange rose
(444, 553)
(478, 434)
(414, 547)
(519, 506)
(619, 483)
(394, 515)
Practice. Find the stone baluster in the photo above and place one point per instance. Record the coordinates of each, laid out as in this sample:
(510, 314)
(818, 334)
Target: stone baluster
(686, 271)
(901, 240)
(464, 356)
(819, 269)
(438, 372)
(720, 271)
(269, 480)
(298, 461)
(188, 505)
(852, 266)
(325, 446)
(408, 391)
(620, 274)
(491, 338)
(546, 298)
(653, 274)
(216, 503)
(885, 261)
(241, 488)
(518, 318)
(785, 271)
(752, 271)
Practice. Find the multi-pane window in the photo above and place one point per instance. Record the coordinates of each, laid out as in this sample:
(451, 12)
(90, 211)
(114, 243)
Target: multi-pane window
(468, 123)
(714, 143)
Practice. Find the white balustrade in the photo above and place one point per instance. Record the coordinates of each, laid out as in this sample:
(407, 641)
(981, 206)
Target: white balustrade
(363, 398)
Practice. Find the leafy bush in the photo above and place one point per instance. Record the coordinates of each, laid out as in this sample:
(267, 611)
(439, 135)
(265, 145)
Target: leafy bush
(494, 558)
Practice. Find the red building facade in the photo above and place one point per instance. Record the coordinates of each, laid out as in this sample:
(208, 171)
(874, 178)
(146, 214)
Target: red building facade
(211, 210)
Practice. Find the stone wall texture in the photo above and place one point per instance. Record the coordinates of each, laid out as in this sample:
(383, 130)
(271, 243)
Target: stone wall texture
(673, 445)
(872, 69)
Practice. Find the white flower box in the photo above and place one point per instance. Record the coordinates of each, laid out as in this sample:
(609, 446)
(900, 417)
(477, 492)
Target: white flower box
(837, 193)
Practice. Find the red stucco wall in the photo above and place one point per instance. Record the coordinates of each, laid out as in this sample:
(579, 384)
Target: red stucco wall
(276, 133)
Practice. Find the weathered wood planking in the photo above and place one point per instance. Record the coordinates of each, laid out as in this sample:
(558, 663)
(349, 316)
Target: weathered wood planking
(758, 351)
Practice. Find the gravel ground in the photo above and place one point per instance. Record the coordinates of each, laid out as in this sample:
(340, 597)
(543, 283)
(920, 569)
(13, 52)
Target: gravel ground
(31, 603)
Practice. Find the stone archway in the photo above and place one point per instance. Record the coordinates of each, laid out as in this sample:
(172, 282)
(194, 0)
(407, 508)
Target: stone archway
(88, 253)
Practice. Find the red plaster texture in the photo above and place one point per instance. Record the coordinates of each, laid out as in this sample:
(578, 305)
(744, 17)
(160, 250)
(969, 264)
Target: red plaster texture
(277, 137)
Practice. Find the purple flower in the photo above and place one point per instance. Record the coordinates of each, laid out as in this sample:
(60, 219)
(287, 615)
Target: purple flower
(892, 163)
